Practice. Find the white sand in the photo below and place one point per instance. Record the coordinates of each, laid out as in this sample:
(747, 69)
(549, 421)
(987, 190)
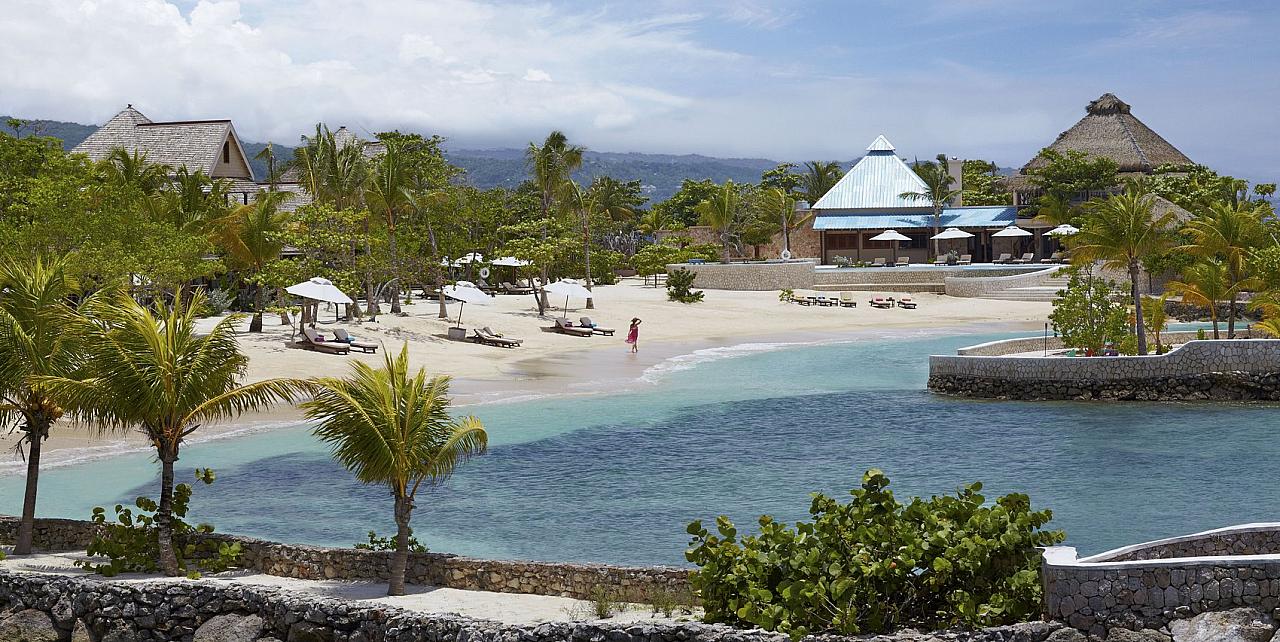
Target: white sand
(510, 608)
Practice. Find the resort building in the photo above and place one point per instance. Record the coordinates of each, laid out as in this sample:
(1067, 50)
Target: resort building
(210, 146)
(870, 199)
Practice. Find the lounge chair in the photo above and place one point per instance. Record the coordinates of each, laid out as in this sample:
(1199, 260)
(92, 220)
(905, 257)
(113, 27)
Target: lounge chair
(965, 259)
(508, 288)
(565, 326)
(1004, 258)
(903, 261)
(906, 302)
(1053, 258)
(340, 336)
(847, 301)
(941, 260)
(801, 300)
(586, 322)
(488, 337)
(880, 302)
(1026, 258)
(312, 340)
(878, 262)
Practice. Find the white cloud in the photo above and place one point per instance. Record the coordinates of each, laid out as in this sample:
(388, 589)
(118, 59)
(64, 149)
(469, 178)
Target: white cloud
(536, 75)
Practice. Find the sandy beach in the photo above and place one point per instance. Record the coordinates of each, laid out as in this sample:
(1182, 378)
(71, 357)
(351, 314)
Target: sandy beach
(551, 363)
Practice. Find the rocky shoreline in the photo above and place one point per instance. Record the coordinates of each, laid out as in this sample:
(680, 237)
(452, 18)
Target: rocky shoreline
(1211, 386)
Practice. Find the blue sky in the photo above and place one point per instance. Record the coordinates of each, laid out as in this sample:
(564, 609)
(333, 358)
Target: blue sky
(763, 78)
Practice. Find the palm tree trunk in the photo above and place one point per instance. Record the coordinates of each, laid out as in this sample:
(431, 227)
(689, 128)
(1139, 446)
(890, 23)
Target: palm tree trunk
(1137, 306)
(1213, 316)
(164, 516)
(256, 324)
(395, 273)
(444, 311)
(1231, 317)
(724, 251)
(400, 561)
(586, 248)
(26, 527)
(937, 221)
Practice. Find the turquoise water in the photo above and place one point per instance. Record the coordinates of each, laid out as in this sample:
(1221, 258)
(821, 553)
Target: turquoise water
(616, 478)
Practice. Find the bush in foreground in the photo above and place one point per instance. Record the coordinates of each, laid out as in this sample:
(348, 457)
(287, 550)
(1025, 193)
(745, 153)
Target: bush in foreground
(875, 565)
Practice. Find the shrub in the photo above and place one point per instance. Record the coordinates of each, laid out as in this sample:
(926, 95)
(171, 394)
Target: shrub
(875, 565)
(680, 287)
(376, 543)
(217, 302)
(1089, 313)
(786, 295)
(131, 545)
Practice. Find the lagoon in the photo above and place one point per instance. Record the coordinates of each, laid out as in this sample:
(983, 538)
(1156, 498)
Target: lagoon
(742, 431)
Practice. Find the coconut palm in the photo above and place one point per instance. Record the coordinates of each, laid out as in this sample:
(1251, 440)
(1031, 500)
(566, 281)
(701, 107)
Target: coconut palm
(251, 237)
(37, 338)
(132, 170)
(390, 426)
(1206, 284)
(721, 213)
(777, 204)
(1121, 230)
(818, 179)
(268, 155)
(937, 193)
(149, 369)
(1228, 231)
(387, 195)
(551, 165)
(1156, 318)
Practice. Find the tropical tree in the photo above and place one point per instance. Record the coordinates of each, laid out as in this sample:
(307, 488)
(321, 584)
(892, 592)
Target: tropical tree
(391, 426)
(586, 204)
(388, 196)
(722, 213)
(252, 236)
(132, 170)
(268, 155)
(1206, 284)
(37, 338)
(937, 193)
(1121, 230)
(551, 165)
(1228, 232)
(776, 204)
(818, 179)
(1156, 318)
(152, 370)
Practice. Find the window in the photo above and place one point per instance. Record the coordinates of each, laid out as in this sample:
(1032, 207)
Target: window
(226, 151)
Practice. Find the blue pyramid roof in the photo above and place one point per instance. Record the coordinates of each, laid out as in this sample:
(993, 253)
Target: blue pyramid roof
(876, 182)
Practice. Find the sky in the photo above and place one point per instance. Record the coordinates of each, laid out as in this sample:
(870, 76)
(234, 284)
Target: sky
(781, 79)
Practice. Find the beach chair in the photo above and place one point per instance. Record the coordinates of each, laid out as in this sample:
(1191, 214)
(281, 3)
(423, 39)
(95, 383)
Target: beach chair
(1052, 258)
(906, 302)
(880, 302)
(312, 340)
(1004, 258)
(801, 300)
(586, 322)
(903, 261)
(488, 332)
(340, 336)
(878, 262)
(487, 337)
(507, 288)
(565, 326)
(965, 259)
(941, 260)
(847, 301)
(1026, 258)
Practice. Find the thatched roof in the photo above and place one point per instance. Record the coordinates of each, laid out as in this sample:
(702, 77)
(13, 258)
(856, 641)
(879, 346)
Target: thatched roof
(196, 144)
(1110, 130)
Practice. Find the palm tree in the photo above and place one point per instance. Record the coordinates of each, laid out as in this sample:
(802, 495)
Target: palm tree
(1120, 230)
(37, 338)
(1228, 232)
(387, 195)
(937, 193)
(551, 165)
(778, 204)
(268, 154)
(151, 370)
(818, 178)
(251, 236)
(132, 170)
(1156, 318)
(1206, 284)
(721, 213)
(586, 204)
(392, 427)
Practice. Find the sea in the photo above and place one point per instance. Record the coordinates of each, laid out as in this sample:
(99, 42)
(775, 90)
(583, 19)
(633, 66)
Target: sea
(741, 431)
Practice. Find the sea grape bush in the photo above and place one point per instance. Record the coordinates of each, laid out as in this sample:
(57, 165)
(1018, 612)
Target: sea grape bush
(131, 546)
(377, 543)
(680, 287)
(874, 564)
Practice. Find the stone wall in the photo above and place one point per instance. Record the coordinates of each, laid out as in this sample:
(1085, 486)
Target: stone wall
(115, 611)
(974, 283)
(1114, 590)
(435, 569)
(1032, 344)
(773, 275)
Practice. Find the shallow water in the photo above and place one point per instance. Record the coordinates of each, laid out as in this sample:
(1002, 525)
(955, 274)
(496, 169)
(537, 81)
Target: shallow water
(616, 478)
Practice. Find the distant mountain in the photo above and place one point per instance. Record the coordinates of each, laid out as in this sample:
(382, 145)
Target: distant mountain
(70, 133)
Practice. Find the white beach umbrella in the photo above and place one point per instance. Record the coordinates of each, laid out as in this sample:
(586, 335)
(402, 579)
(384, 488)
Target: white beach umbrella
(951, 233)
(892, 235)
(1066, 229)
(569, 288)
(465, 292)
(319, 289)
(474, 257)
(1011, 232)
(511, 261)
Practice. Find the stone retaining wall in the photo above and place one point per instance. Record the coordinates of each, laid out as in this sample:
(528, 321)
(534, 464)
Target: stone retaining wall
(972, 285)
(114, 611)
(1115, 590)
(1033, 344)
(580, 581)
(797, 275)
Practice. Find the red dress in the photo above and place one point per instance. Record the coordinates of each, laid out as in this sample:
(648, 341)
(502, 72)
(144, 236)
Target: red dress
(633, 334)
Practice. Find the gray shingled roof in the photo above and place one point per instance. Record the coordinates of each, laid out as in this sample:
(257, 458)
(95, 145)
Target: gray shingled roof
(196, 144)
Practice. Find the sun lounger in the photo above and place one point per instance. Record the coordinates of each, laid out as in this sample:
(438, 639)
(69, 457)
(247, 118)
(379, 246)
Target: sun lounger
(801, 300)
(878, 262)
(965, 259)
(312, 340)
(880, 302)
(487, 337)
(847, 300)
(903, 261)
(1053, 258)
(1026, 258)
(1004, 258)
(565, 326)
(508, 288)
(941, 260)
(906, 302)
(340, 336)
(586, 322)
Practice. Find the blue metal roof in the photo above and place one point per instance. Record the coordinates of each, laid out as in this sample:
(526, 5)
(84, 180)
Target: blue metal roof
(951, 217)
(876, 182)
